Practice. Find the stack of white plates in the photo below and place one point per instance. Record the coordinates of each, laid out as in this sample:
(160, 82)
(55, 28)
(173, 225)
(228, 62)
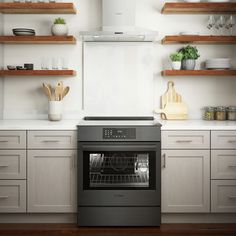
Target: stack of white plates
(218, 63)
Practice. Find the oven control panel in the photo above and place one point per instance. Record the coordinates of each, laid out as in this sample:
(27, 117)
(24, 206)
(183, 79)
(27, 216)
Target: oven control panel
(119, 133)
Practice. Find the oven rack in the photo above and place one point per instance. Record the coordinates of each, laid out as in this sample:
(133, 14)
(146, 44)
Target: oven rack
(99, 180)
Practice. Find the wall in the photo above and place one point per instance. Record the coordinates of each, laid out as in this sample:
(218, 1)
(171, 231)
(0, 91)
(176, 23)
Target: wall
(1, 65)
(23, 97)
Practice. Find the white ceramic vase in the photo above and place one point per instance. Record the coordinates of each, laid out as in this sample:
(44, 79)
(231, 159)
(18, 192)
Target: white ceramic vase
(176, 65)
(60, 30)
(55, 110)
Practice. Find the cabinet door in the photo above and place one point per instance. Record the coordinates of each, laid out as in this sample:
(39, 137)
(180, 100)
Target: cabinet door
(51, 181)
(223, 196)
(186, 181)
(12, 196)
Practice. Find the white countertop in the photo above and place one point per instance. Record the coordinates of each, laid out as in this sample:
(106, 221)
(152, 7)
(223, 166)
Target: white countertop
(72, 124)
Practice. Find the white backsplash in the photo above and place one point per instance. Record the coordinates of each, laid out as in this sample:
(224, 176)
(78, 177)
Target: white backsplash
(23, 97)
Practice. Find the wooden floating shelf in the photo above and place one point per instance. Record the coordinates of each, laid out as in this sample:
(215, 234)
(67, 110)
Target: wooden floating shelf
(37, 8)
(199, 73)
(200, 39)
(199, 8)
(4, 73)
(37, 40)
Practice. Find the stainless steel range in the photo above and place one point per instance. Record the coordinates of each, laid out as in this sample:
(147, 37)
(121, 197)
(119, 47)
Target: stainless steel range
(119, 173)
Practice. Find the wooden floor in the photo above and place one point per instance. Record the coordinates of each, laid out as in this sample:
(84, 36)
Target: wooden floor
(73, 230)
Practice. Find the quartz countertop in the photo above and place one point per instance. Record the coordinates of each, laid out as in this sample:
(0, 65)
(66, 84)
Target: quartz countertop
(72, 124)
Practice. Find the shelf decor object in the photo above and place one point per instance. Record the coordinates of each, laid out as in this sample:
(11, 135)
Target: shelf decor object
(199, 8)
(199, 73)
(37, 39)
(37, 8)
(5, 73)
(199, 39)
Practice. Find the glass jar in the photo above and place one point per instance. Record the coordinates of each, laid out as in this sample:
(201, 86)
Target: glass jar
(220, 113)
(232, 113)
(209, 113)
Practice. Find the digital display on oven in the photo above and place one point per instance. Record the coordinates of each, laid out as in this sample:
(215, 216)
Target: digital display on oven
(119, 133)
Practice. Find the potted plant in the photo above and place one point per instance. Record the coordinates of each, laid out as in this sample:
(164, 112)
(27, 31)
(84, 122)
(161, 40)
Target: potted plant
(176, 59)
(190, 55)
(59, 27)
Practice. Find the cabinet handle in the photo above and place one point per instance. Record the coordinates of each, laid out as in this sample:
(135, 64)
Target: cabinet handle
(50, 141)
(3, 165)
(4, 141)
(232, 197)
(164, 160)
(4, 197)
(232, 141)
(232, 166)
(184, 141)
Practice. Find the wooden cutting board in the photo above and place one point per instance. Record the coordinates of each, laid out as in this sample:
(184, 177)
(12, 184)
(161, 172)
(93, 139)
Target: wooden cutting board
(175, 111)
(170, 96)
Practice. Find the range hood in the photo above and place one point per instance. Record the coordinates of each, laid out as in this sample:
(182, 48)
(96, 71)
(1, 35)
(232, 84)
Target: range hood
(118, 18)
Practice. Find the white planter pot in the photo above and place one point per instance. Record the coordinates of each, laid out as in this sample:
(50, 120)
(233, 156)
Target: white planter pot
(55, 110)
(59, 30)
(176, 65)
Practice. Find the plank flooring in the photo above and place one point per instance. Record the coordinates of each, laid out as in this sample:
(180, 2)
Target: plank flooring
(73, 230)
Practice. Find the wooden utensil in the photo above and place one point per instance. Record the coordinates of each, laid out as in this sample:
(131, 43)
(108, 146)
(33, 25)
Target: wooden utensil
(174, 111)
(65, 91)
(47, 91)
(170, 96)
(60, 89)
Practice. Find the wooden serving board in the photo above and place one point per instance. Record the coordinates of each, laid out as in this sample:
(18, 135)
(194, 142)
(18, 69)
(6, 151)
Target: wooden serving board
(170, 96)
(175, 111)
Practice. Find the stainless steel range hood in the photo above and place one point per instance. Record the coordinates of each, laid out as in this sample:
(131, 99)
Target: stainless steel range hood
(119, 24)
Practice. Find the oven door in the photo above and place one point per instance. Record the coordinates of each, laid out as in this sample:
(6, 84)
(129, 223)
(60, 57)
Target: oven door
(115, 173)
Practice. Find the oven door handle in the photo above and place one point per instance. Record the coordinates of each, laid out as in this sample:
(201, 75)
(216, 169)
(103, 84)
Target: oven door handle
(119, 147)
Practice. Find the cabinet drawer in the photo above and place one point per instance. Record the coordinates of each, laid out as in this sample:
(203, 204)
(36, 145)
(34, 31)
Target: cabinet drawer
(12, 164)
(12, 139)
(223, 164)
(52, 139)
(185, 139)
(223, 139)
(223, 193)
(12, 196)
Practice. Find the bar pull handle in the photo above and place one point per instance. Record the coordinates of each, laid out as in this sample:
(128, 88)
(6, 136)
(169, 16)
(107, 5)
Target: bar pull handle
(232, 166)
(184, 141)
(50, 141)
(232, 141)
(4, 141)
(232, 197)
(164, 160)
(4, 197)
(4, 165)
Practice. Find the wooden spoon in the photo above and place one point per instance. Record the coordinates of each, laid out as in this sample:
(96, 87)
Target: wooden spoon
(65, 91)
(60, 89)
(47, 91)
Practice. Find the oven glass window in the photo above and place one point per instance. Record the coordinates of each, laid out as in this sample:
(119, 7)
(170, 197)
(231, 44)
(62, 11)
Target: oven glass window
(119, 170)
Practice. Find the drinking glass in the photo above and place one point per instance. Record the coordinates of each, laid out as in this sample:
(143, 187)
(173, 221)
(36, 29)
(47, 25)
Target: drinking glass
(45, 63)
(220, 23)
(211, 22)
(64, 63)
(230, 24)
(55, 63)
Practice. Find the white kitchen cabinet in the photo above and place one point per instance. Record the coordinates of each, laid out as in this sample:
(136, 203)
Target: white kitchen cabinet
(12, 139)
(51, 181)
(12, 164)
(223, 196)
(53, 139)
(12, 196)
(187, 139)
(223, 139)
(185, 181)
(223, 164)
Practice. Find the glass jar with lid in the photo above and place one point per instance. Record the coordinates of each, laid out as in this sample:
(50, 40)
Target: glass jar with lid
(209, 113)
(231, 113)
(220, 113)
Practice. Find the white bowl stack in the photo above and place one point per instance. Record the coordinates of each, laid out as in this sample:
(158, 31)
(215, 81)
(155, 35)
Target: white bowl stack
(218, 63)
